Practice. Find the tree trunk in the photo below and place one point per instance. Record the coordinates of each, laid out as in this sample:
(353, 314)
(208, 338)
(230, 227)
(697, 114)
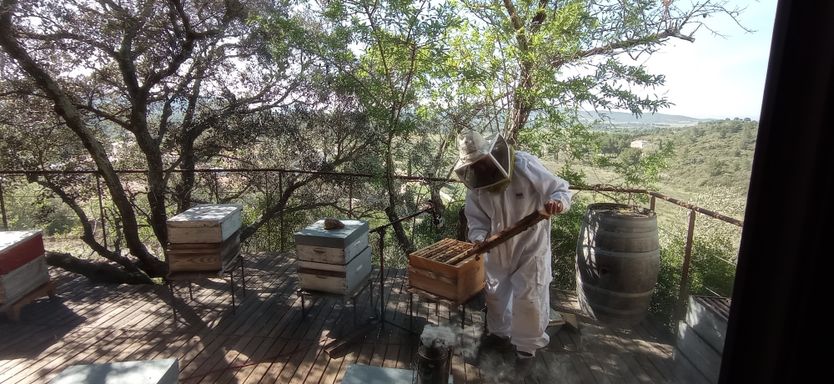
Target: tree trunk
(391, 211)
(65, 108)
(97, 272)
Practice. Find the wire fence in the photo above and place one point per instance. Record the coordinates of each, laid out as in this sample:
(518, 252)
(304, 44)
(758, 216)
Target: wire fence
(25, 205)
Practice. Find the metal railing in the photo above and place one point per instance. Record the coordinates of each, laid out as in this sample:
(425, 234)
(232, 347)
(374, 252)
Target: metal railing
(352, 177)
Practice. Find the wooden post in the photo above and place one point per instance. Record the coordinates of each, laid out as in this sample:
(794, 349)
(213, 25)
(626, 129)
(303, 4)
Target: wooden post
(651, 203)
(687, 260)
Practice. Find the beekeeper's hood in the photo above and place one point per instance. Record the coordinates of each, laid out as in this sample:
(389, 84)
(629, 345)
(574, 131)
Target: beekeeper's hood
(483, 164)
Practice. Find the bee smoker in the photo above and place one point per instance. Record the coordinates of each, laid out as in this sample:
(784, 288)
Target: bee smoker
(434, 362)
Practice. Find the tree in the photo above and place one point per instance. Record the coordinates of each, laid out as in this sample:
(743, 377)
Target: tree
(541, 62)
(170, 84)
(397, 56)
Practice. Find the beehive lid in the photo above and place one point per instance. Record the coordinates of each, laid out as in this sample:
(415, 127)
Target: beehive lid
(10, 238)
(315, 234)
(204, 215)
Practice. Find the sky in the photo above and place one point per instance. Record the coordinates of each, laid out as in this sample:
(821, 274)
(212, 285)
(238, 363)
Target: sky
(715, 76)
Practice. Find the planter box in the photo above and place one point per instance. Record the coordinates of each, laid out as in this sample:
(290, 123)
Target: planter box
(18, 248)
(19, 282)
(335, 278)
(199, 257)
(315, 235)
(205, 224)
(431, 269)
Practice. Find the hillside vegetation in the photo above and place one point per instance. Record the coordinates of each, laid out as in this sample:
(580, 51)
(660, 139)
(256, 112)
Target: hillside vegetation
(707, 164)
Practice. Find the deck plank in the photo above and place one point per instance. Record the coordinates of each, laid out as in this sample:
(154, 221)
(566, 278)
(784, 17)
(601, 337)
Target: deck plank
(265, 340)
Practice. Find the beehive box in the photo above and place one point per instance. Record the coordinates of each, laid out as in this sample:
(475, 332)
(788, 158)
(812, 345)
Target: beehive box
(22, 264)
(335, 278)
(205, 224)
(199, 257)
(18, 248)
(440, 270)
(22, 280)
(333, 246)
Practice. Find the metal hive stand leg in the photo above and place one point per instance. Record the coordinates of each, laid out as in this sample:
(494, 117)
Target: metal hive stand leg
(170, 285)
(242, 275)
(232, 288)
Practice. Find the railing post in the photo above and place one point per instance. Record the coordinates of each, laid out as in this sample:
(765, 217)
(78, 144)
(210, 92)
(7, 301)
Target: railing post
(382, 277)
(267, 206)
(651, 203)
(687, 260)
(101, 212)
(281, 212)
(350, 197)
(3, 206)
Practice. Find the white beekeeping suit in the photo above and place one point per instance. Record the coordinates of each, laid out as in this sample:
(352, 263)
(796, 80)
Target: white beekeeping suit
(519, 270)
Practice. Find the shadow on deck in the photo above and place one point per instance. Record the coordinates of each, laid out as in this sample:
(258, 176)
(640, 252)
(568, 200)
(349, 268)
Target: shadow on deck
(266, 340)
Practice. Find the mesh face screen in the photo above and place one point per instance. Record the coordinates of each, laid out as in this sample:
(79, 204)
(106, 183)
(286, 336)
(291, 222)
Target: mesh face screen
(490, 169)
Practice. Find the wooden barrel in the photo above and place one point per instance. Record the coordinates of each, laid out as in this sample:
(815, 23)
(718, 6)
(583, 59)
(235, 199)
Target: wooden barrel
(617, 262)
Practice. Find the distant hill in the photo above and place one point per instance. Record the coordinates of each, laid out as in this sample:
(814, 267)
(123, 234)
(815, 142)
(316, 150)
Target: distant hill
(625, 120)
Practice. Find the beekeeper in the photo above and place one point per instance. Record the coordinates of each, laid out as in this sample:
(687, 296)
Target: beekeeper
(504, 186)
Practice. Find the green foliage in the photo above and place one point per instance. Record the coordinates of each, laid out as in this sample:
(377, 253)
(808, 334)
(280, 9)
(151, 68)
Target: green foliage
(712, 271)
(564, 234)
(710, 155)
(29, 207)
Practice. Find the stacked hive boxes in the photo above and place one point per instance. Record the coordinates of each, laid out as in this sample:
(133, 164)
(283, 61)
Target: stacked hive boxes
(333, 260)
(204, 238)
(22, 264)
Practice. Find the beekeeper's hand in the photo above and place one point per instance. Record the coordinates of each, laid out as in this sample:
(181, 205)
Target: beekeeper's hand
(553, 207)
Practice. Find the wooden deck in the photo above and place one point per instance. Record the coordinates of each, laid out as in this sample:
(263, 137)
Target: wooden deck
(266, 340)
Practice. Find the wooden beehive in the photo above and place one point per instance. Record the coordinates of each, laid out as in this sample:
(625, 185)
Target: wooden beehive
(332, 246)
(333, 260)
(198, 257)
(22, 264)
(335, 278)
(205, 224)
(203, 238)
(442, 269)
(18, 248)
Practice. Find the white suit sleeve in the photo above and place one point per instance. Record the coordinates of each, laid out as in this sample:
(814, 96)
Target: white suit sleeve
(477, 219)
(550, 186)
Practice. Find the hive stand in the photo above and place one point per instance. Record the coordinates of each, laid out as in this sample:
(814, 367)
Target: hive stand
(350, 296)
(189, 277)
(412, 291)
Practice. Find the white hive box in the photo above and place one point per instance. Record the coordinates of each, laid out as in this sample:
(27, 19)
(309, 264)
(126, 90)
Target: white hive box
(203, 238)
(23, 280)
(334, 246)
(334, 260)
(205, 224)
(335, 278)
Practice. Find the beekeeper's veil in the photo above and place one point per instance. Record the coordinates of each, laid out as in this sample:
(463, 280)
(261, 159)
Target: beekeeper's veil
(483, 164)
